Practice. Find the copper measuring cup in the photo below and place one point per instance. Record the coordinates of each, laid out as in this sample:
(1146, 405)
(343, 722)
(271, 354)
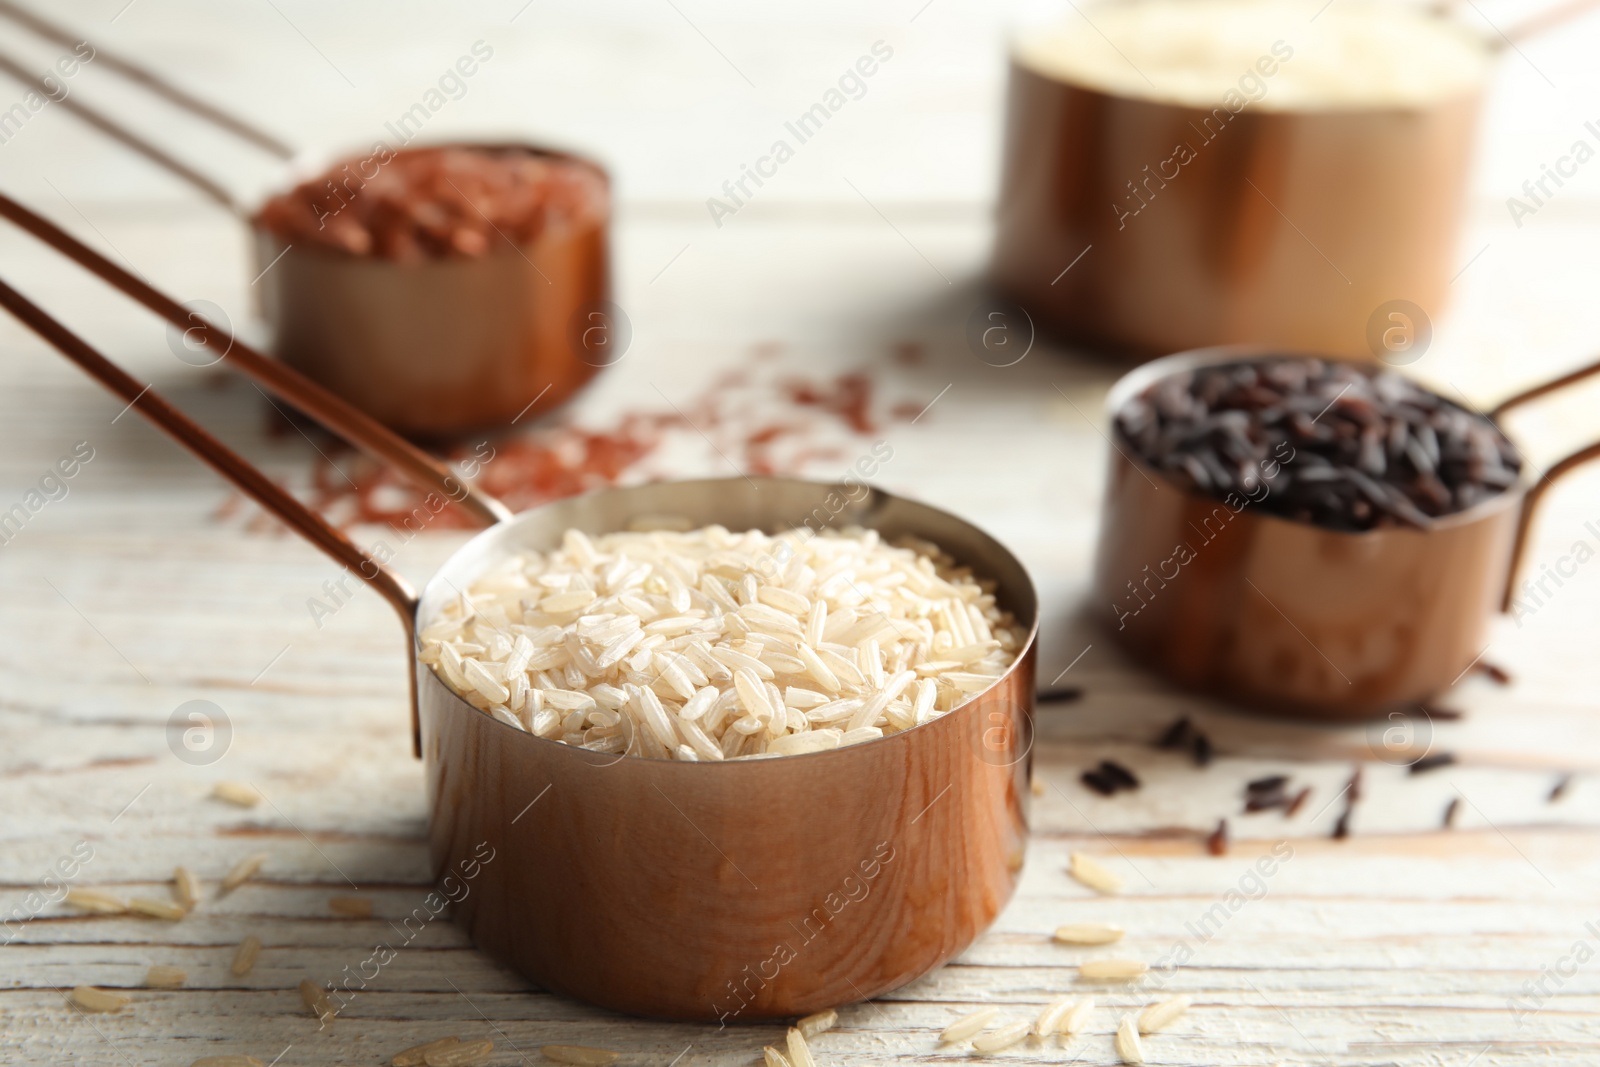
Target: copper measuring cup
(719, 891)
(1295, 228)
(432, 349)
(1294, 618)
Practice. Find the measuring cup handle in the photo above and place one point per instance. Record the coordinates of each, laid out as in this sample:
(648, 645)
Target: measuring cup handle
(232, 466)
(150, 80)
(1535, 495)
(1545, 20)
(1530, 505)
(332, 412)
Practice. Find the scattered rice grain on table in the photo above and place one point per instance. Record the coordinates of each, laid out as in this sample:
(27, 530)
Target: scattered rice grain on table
(244, 870)
(969, 1025)
(244, 957)
(799, 1051)
(187, 887)
(771, 1057)
(316, 1000)
(416, 1055)
(157, 909)
(1053, 1015)
(162, 976)
(1087, 870)
(89, 998)
(580, 1055)
(97, 901)
(1002, 1037)
(1113, 969)
(1088, 933)
(1129, 1047)
(714, 645)
(817, 1023)
(240, 794)
(351, 907)
(1162, 1013)
(1078, 1018)
(461, 1054)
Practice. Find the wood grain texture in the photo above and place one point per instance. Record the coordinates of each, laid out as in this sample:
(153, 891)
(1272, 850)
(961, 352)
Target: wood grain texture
(1405, 944)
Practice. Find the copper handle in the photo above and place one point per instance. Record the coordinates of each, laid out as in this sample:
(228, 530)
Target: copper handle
(235, 468)
(112, 129)
(226, 462)
(149, 79)
(1544, 20)
(283, 381)
(1535, 495)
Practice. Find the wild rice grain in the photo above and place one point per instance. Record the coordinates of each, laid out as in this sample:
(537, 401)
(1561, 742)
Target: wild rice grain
(1129, 1047)
(817, 1023)
(1217, 842)
(1088, 933)
(187, 887)
(97, 901)
(416, 1055)
(1116, 970)
(1297, 802)
(1090, 873)
(1164, 1013)
(463, 1054)
(240, 794)
(1433, 760)
(969, 1025)
(157, 909)
(799, 1051)
(316, 1000)
(244, 957)
(580, 1055)
(243, 871)
(1000, 1038)
(161, 976)
(89, 998)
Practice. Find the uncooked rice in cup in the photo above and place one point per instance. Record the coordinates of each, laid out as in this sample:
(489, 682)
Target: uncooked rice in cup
(712, 645)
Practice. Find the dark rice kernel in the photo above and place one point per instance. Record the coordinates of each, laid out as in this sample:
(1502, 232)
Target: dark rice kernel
(1118, 773)
(1217, 843)
(1333, 444)
(1098, 782)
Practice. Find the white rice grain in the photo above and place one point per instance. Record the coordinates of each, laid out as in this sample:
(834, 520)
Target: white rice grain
(817, 1023)
(1129, 1047)
(1002, 1037)
(1116, 970)
(1163, 1013)
(243, 871)
(92, 999)
(1089, 872)
(968, 1025)
(617, 642)
(1077, 1020)
(1053, 1015)
(96, 901)
(1088, 934)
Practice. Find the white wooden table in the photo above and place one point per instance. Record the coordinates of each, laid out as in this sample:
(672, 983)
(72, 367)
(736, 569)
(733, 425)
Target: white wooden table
(1406, 943)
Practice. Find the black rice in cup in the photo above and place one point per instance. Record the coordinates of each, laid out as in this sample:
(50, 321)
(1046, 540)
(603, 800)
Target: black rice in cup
(1338, 445)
